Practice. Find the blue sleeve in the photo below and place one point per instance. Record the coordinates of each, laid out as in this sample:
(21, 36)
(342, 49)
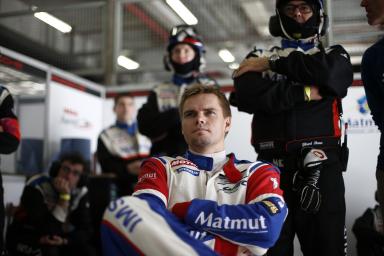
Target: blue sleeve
(256, 224)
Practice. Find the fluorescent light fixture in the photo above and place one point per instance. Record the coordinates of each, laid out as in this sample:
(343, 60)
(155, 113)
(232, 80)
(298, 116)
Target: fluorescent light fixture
(226, 55)
(182, 11)
(127, 63)
(53, 21)
(356, 60)
(234, 65)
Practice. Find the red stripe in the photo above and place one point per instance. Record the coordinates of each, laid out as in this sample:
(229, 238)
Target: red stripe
(335, 110)
(68, 83)
(11, 126)
(263, 181)
(224, 247)
(114, 229)
(138, 156)
(147, 20)
(153, 175)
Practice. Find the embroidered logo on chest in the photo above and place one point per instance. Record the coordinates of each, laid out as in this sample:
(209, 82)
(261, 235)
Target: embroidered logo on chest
(182, 165)
(228, 187)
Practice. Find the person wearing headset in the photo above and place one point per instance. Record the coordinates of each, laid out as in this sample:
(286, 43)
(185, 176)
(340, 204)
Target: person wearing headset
(294, 92)
(53, 217)
(158, 118)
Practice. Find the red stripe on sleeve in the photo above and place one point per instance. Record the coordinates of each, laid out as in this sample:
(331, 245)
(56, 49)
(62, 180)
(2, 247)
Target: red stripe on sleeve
(153, 175)
(224, 247)
(264, 180)
(336, 117)
(11, 126)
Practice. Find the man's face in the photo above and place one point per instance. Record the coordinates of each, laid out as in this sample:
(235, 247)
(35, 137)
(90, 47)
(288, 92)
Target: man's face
(125, 109)
(298, 10)
(375, 11)
(182, 53)
(203, 124)
(71, 172)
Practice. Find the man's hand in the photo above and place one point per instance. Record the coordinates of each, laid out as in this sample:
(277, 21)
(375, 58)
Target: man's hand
(53, 240)
(61, 185)
(134, 167)
(255, 64)
(315, 94)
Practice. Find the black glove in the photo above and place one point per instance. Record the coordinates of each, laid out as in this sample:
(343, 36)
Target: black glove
(305, 181)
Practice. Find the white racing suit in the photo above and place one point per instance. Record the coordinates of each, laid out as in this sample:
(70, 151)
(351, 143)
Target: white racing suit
(224, 207)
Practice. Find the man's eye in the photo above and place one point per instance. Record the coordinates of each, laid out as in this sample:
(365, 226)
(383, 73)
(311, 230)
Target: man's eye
(188, 114)
(210, 112)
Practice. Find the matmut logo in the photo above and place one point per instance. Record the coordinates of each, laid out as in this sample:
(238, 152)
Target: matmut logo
(178, 162)
(258, 224)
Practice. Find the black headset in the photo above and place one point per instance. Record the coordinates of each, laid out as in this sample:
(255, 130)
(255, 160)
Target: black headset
(276, 30)
(56, 165)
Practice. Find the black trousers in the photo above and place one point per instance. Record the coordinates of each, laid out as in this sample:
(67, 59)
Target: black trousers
(322, 233)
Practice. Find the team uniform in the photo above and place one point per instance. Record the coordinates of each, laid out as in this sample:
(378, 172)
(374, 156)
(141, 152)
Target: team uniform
(226, 207)
(119, 145)
(285, 124)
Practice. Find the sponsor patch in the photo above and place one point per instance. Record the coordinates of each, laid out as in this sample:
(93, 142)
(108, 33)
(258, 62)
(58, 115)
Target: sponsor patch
(178, 162)
(149, 175)
(272, 208)
(188, 170)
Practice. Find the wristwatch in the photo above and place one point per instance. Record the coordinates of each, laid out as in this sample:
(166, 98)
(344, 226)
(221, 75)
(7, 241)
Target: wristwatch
(272, 61)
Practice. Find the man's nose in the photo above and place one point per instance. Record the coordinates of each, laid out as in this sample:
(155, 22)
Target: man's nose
(200, 119)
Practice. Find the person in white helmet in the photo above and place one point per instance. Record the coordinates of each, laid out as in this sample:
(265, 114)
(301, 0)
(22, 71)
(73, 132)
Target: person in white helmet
(158, 118)
(294, 92)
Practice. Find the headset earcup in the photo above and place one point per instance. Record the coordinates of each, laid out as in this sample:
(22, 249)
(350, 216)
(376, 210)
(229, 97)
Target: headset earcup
(167, 62)
(274, 26)
(54, 169)
(83, 181)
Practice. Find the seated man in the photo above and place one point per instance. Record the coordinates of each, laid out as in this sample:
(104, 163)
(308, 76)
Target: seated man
(204, 203)
(53, 217)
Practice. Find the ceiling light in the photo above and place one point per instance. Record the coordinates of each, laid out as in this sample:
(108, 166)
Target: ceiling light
(226, 55)
(182, 11)
(356, 60)
(53, 21)
(234, 65)
(127, 63)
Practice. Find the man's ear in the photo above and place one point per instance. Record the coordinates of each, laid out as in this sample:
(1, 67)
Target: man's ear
(228, 123)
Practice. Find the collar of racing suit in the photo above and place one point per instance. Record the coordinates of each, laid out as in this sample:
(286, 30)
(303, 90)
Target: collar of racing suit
(304, 45)
(180, 80)
(129, 128)
(216, 161)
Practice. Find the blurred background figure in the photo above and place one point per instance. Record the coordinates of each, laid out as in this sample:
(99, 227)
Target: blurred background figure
(368, 229)
(9, 141)
(53, 217)
(158, 118)
(372, 74)
(121, 147)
